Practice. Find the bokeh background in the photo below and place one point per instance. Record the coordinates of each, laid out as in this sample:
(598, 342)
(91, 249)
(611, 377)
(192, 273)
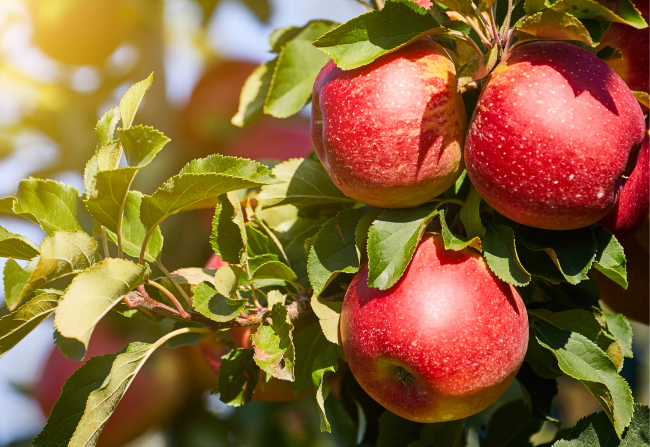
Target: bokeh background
(62, 64)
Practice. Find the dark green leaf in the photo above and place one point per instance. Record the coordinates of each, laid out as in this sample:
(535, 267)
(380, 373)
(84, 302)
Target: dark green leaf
(69, 409)
(511, 425)
(238, 376)
(213, 305)
(581, 359)
(572, 251)
(363, 39)
(443, 434)
(638, 433)
(594, 430)
(620, 328)
(539, 392)
(334, 251)
(392, 240)
(456, 242)
(394, 430)
(501, 254)
(308, 344)
(610, 259)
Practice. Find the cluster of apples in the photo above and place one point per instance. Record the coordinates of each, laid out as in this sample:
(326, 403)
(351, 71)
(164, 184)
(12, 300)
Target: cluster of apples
(555, 142)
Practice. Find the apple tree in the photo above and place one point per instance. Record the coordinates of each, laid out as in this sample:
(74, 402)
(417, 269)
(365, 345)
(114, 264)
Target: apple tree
(479, 170)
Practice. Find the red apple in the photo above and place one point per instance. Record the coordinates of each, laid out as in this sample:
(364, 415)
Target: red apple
(634, 302)
(631, 210)
(214, 100)
(643, 6)
(390, 134)
(277, 141)
(154, 396)
(424, 3)
(551, 136)
(441, 344)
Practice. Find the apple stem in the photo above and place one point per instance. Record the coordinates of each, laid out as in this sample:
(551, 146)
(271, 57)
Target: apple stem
(508, 41)
(468, 21)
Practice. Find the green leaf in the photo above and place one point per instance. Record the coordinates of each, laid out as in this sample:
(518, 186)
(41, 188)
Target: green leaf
(17, 325)
(238, 374)
(273, 345)
(511, 425)
(538, 391)
(540, 359)
(470, 215)
(253, 95)
(363, 228)
(280, 36)
(308, 345)
(533, 6)
(621, 329)
(64, 253)
(464, 6)
(106, 201)
(199, 184)
(589, 9)
(610, 258)
(307, 184)
(552, 25)
(334, 250)
(105, 128)
(296, 70)
(590, 431)
(69, 409)
(131, 100)
(274, 270)
(453, 242)
(259, 243)
(226, 280)
(93, 293)
(69, 347)
(16, 246)
(590, 324)
(261, 8)
(228, 238)
(365, 38)
(478, 67)
(638, 433)
(539, 263)
(134, 231)
(392, 241)
(327, 361)
(103, 401)
(572, 251)
(329, 315)
(15, 278)
(53, 205)
(211, 304)
(581, 359)
(501, 254)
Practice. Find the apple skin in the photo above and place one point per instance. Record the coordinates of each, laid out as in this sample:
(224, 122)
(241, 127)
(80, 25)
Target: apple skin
(634, 302)
(631, 210)
(426, 4)
(551, 135)
(459, 331)
(153, 398)
(390, 134)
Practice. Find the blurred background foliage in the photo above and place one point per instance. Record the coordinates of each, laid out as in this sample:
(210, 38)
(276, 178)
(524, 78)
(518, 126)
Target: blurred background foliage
(62, 64)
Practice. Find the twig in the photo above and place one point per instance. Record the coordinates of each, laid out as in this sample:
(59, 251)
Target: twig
(107, 254)
(169, 295)
(175, 283)
(509, 37)
(493, 24)
(380, 4)
(506, 24)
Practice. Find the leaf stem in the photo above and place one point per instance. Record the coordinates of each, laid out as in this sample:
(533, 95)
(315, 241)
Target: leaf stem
(275, 240)
(493, 25)
(505, 28)
(467, 20)
(145, 242)
(185, 330)
(173, 299)
(107, 254)
(176, 284)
